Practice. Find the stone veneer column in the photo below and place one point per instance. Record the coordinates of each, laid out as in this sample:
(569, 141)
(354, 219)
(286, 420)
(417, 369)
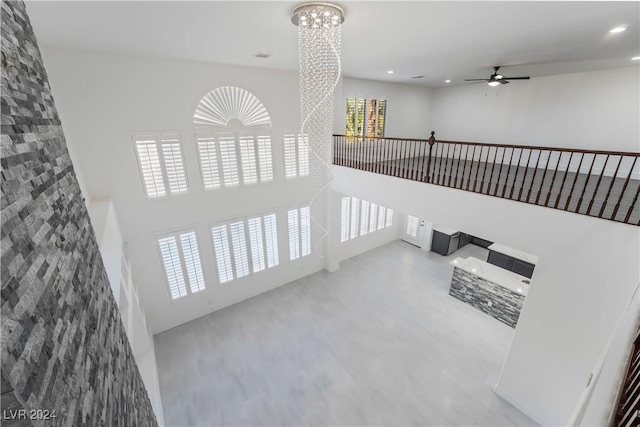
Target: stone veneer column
(64, 348)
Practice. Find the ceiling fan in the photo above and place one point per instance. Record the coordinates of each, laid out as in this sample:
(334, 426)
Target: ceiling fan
(497, 78)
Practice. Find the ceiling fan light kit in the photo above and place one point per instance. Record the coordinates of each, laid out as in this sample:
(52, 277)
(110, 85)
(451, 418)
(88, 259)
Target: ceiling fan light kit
(497, 79)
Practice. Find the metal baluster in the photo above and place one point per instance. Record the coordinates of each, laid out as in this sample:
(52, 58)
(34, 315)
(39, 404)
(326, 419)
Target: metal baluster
(633, 204)
(566, 206)
(420, 160)
(446, 162)
(513, 185)
(624, 188)
(613, 180)
(533, 180)
(493, 165)
(473, 156)
(546, 167)
(506, 178)
(383, 156)
(553, 180)
(464, 165)
(566, 173)
(455, 180)
(586, 182)
(495, 190)
(484, 170)
(475, 180)
(405, 160)
(524, 178)
(414, 162)
(595, 191)
(439, 159)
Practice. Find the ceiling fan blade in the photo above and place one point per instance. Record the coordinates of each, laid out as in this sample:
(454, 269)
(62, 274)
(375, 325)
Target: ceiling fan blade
(503, 81)
(516, 78)
(476, 80)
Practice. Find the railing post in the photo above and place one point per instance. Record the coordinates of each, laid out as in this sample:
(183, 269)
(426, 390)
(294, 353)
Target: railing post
(432, 140)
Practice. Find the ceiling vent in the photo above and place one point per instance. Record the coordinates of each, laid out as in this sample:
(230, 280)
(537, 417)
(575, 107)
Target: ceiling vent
(261, 55)
(417, 77)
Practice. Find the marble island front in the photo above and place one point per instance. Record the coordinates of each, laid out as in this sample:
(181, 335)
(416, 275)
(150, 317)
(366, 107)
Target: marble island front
(491, 289)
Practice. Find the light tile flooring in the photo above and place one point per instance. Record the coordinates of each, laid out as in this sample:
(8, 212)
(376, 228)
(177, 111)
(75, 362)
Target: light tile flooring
(379, 342)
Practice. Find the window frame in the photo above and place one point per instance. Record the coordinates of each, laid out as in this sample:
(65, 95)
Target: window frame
(183, 263)
(262, 177)
(355, 222)
(302, 250)
(265, 243)
(159, 139)
(357, 110)
(301, 156)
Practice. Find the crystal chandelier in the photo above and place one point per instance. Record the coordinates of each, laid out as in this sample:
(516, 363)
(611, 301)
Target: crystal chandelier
(319, 38)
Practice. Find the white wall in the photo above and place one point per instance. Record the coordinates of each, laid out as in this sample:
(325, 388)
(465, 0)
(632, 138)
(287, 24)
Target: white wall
(107, 228)
(601, 396)
(409, 107)
(596, 110)
(586, 272)
(104, 98)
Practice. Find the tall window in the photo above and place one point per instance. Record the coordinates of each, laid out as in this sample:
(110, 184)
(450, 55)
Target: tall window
(299, 222)
(246, 246)
(360, 217)
(181, 262)
(161, 165)
(227, 160)
(296, 155)
(366, 117)
(413, 224)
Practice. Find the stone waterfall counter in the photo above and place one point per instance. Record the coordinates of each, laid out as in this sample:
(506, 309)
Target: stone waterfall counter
(492, 290)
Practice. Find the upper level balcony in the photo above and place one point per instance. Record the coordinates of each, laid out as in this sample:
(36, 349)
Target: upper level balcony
(602, 184)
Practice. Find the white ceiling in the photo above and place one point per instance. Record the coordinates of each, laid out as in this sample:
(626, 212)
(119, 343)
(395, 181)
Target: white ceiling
(437, 39)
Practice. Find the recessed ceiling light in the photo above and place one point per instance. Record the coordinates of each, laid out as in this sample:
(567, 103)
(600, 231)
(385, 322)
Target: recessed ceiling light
(618, 29)
(635, 58)
(390, 72)
(447, 81)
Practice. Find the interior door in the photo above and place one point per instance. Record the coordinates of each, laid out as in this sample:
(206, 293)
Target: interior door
(411, 232)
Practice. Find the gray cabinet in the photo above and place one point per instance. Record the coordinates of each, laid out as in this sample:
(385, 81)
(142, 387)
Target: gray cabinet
(444, 244)
(518, 266)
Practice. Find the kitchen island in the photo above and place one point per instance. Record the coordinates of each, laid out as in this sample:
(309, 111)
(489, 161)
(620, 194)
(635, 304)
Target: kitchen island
(491, 289)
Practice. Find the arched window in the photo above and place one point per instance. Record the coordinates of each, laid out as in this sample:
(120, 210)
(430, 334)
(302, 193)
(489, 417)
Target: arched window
(234, 139)
(221, 105)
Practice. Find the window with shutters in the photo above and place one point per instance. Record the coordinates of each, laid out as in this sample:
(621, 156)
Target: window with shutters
(366, 117)
(181, 261)
(344, 219)
(364, 218)
(412, 226)
(245, 246)
(299, 222)
(359, 217)
(161, 165)
(296, 155)
(232, 160)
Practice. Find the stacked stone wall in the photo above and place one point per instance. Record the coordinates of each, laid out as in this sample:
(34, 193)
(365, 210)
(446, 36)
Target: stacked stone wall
(66, 359)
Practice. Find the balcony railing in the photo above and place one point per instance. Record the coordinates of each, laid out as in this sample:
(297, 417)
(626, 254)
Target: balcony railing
(603, 184)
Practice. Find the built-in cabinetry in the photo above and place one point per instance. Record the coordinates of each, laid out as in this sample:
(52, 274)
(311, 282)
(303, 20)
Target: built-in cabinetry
(444, 241)
(519, 262)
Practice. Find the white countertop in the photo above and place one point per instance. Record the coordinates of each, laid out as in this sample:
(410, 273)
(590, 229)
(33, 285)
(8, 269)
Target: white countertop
(523, 256)
(445, 230)
(492, 273)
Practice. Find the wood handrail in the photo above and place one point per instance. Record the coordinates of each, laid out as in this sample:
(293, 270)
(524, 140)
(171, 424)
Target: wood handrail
(610, 189)
(485, 144)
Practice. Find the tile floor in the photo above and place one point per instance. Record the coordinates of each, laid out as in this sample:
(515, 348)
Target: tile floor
(379, 342)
